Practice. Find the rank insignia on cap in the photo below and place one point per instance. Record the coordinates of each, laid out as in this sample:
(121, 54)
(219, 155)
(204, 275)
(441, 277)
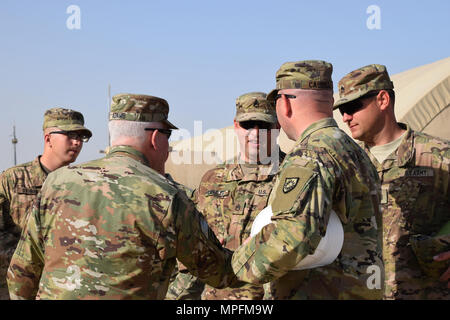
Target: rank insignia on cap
(289, 184)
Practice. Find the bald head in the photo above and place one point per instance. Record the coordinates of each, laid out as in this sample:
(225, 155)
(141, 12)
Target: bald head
(313, 98)
(295, 114)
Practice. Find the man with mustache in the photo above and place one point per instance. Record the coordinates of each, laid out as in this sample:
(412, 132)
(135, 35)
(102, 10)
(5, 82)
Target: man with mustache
(232, 194)
(64, 135)
(414, 171)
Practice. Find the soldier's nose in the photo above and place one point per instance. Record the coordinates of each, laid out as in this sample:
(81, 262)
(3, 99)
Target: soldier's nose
(346, 117)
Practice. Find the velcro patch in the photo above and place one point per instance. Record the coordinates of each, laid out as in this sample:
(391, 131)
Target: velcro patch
(217, 193)
(291, 184)
(27, 191)
(419, 172)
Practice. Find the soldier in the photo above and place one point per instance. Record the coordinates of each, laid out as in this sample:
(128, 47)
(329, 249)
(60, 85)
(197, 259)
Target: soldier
(232, 194)
(321, 240)
(64, 134)
(112, 228)
(414, 171)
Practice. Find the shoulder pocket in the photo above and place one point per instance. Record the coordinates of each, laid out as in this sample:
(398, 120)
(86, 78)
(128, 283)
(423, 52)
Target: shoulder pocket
(293, 181)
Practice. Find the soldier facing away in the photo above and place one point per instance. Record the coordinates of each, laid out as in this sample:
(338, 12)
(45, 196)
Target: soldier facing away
(232, 194)
(414, 171)
(112, 228)
(64, 134)
(322, 239)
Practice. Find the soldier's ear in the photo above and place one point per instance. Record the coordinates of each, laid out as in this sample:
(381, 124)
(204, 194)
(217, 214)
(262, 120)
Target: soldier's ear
(46, 138)
(285, 107)
(153, 139)
(383, 100)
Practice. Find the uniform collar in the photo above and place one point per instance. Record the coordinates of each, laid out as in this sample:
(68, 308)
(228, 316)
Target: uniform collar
(128, 151)
(322, 123)
(400, 157)
(37, 173)
(252, 172)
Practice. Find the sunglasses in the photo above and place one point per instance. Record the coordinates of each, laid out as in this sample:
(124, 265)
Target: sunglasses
(167, 132)
(356, 105)
(289, 96)
(247, 125)
(73, 135)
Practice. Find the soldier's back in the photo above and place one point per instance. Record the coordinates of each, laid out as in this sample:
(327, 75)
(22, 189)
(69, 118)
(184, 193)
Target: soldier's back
(111, 232)
(350, 185)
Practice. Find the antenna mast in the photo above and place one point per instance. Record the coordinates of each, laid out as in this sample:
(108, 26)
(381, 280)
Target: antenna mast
(14, 142)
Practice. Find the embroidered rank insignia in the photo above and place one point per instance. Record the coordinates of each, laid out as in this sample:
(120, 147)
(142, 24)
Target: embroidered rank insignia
(289, 184)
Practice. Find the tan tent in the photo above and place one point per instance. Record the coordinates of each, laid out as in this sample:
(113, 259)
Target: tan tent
(422, 101)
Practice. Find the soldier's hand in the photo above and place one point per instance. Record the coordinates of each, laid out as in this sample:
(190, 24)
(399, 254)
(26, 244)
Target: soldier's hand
(246, 241)
(446, 275)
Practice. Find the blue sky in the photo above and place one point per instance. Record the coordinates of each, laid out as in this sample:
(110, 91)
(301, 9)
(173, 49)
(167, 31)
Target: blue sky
(198, 55)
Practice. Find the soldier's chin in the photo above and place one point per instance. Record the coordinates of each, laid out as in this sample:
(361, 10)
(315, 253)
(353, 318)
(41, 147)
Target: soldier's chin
(72, 155)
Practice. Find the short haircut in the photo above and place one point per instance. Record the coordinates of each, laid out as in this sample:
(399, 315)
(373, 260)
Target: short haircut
(119, 129)
(319, 96)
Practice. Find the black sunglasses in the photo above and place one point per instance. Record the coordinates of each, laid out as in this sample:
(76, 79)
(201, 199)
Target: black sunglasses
(289, 96)
(167, 132)
(247, 125)
(356, 105)
(73, 135)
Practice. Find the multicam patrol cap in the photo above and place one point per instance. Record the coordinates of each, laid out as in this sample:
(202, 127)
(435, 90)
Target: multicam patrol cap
(361, 81)
(255, 106)
(139, 107)
(65, 119)
(308, 74)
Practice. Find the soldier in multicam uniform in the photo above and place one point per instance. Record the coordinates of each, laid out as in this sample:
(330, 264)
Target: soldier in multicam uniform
(232, 194)
(112, 228)
(321, 240)
(414, 171)
(64, 134)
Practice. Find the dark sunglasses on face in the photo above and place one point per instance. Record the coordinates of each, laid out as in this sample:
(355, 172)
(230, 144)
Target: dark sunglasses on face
(167, 132)
(289, 96)
(351, 107)
(73, 135)
(247, 125)
(356, 105)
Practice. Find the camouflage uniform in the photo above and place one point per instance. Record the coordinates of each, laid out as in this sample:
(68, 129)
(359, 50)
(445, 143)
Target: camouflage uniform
(112, 228)
(230, 196)
(415, 200)
(324, 171)
(19, 187)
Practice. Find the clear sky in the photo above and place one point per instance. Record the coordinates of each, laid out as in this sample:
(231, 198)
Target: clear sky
(198, 55)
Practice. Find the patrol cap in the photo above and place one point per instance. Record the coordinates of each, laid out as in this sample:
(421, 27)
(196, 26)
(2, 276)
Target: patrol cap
(65, 119)
(139, 107)
(255, 106)
(308, 74)
(361, 81)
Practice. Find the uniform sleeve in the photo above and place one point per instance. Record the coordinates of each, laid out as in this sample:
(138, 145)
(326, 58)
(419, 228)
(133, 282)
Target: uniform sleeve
(197, 246)
(184, 286)
(301, 208)
(28, 260)
(9, 234)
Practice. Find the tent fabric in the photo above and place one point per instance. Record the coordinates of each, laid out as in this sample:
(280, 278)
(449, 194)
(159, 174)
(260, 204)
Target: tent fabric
(422, 101)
